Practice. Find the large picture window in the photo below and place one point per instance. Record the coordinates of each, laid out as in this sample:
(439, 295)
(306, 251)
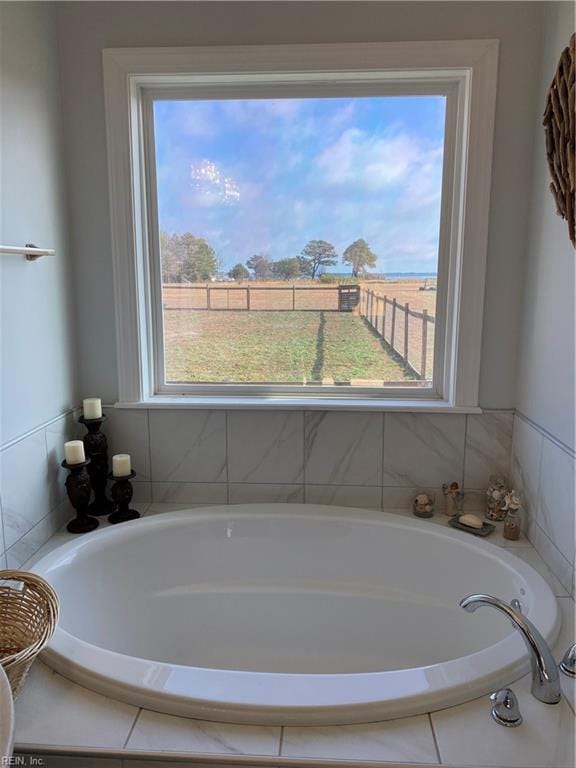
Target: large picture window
(299, 239)
(301, 221)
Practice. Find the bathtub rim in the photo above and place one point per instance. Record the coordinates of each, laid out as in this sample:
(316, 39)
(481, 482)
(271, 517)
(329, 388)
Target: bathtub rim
(425, 689)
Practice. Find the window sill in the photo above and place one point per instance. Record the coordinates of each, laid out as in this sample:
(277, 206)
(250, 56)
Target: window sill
(300, 404)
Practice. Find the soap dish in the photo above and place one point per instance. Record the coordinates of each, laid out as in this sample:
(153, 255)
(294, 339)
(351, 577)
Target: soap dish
(486, 530)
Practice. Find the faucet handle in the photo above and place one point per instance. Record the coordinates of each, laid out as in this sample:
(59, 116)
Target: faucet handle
(568, 663)
(506, 710)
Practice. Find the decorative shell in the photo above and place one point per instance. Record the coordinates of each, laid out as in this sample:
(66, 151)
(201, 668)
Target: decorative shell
(495, 495)
(423, 505)
(512, 501)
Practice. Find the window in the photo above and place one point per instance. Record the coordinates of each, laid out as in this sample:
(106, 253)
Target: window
(301, 228)
(298, 239)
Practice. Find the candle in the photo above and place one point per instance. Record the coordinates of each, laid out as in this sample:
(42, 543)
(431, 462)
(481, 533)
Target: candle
(92, 407)
(121, 465)
(74, 452)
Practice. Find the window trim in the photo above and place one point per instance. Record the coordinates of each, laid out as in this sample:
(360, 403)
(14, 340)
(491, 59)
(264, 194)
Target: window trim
(469, 67)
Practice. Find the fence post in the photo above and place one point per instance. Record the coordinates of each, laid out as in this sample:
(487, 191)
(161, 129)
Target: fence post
(406, 321)
(293, 297)
(378, 299)
(393, 322)
(208, 300)
(424, 343)
(384, 319)
(248, 297)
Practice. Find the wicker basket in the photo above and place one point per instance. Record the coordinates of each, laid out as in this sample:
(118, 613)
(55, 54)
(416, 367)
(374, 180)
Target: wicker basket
(29, 611)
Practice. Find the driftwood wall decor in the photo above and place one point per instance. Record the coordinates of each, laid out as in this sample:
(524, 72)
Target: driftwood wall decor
(559, 119)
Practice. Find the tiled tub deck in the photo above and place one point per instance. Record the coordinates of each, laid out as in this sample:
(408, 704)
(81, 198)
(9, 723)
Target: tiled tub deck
(72, 727)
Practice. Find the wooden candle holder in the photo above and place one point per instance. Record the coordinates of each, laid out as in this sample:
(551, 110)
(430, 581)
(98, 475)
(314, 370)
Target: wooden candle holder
(79, 491)
(96, 447)
(122, 496)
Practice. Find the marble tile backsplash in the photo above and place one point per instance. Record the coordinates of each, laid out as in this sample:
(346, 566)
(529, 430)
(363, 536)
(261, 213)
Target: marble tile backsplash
(33, 502)
(361, 459)
(198, 457)
(543, 470)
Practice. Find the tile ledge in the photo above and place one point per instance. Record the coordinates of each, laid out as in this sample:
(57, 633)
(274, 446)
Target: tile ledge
(210, 758)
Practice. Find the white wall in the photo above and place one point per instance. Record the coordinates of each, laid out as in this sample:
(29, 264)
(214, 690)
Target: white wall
(546, 360)
(543, 440)
(86, 28)
(36, 338)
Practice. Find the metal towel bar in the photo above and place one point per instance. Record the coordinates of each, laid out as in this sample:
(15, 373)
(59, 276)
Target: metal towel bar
(31, 251)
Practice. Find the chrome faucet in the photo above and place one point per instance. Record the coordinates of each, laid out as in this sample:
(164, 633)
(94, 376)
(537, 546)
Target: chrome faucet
(545, 677)
(506, 710)
(568, 663)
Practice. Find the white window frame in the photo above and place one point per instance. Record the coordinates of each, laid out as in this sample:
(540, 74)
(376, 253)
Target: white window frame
(465, 71)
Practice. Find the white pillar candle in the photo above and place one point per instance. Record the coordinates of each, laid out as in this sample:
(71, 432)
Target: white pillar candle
(92, 407)
(121, 465)
(74, 452)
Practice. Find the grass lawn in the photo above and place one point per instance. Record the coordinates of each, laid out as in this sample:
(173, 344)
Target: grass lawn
(274, 347)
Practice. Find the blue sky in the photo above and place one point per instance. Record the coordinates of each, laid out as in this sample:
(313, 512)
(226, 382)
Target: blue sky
(267, 176)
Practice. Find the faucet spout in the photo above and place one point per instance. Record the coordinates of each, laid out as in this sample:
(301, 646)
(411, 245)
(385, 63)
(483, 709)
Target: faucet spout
(545, 677)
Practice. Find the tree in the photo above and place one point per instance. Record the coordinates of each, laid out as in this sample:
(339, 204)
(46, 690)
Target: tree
(286, 269)
(260, 265)
(317, 255)
(239, 272)
(186, 258)
(169, 258)
(198, 258)
(359, 256)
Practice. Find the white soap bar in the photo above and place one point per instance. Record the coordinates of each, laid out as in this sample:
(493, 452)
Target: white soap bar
(472, 521)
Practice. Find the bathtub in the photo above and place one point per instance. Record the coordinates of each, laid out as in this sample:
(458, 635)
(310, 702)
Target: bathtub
(289, 614)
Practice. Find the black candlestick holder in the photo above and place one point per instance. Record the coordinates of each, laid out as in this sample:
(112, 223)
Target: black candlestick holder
(122, 495)
(79, 490)
(96, 447)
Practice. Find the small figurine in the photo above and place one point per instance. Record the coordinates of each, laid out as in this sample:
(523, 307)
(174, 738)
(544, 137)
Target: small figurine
(423, 505)
(453, 495)
(495, 495)
(511, 506)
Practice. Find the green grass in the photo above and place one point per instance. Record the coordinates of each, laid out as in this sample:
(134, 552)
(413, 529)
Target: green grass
(274, 347)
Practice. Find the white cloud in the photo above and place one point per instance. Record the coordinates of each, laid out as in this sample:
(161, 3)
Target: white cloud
(374, 163)
(423, 187)
(261, 114)
(198, 123)
(342, 116)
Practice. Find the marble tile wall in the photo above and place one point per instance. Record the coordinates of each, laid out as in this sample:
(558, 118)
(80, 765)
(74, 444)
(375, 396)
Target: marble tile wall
(542, 468)
(33, 503)
(199, 457)
(362, 459)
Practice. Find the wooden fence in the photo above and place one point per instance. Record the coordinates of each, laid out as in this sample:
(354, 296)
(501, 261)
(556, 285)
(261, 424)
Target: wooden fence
(408, 332)
(331, 298)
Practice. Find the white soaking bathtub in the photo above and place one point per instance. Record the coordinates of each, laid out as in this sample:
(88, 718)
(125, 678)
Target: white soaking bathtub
(289, 613)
